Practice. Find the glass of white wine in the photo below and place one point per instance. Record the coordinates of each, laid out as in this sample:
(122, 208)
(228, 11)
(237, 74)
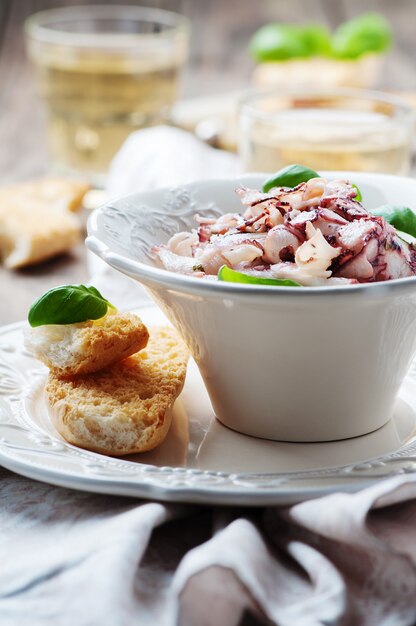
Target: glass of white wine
(104, 71)
(336, 129)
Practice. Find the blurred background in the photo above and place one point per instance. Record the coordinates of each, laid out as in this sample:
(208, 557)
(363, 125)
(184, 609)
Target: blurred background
(219, 59)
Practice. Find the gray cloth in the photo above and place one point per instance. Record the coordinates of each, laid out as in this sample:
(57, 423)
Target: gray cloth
(71, 558)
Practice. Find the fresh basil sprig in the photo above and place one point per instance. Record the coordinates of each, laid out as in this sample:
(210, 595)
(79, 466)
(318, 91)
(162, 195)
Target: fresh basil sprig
(358, 196)
(317, 39)
(293, 175)
(68, 304)
(289, 176)
(228, 275)
(366, 33)
(401, 217)
(278, 42)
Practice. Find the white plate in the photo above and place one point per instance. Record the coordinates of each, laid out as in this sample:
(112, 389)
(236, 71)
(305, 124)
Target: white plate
(200, 460)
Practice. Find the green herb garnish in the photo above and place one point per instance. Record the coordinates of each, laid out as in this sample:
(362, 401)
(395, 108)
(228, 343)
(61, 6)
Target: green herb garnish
(278, 42)
(366, 33)
(228, 275)
(289, 176)
(317, 39)
(293, 175)
(401, 217)
(359, 195)
(68, 304)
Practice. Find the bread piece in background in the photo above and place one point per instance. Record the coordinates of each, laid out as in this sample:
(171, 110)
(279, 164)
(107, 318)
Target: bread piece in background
(36, 220)
(76, 349)
(54, 192)
(29, 235)
(126, 408)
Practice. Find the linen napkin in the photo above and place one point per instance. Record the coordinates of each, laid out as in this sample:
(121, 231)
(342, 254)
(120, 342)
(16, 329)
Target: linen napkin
(69, 557)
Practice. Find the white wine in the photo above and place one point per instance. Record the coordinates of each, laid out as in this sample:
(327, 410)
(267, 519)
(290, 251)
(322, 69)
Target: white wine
(95, 101)
(104, 71)
(326, 139)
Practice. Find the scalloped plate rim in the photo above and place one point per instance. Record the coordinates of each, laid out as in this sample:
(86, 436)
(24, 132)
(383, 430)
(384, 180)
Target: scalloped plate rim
(284, 491)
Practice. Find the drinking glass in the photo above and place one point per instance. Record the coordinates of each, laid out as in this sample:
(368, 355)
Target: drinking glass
(104, 71)
(337, 129)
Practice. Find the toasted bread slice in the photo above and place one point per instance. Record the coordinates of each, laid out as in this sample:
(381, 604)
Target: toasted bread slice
(35, 220)
(52, 192)
(127, 407)
(78, 349)
(29, 236)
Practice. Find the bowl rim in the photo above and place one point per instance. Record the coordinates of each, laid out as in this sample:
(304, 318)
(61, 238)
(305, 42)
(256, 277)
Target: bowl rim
(151, 275)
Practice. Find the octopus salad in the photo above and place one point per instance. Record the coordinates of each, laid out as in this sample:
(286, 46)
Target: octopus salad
(316, 233)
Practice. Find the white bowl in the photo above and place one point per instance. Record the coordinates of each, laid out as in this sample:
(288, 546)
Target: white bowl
(306, 364)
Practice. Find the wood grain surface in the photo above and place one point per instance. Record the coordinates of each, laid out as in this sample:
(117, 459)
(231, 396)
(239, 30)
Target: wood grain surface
(218, 62)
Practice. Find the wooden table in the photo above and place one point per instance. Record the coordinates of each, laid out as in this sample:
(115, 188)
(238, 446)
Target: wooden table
(218, 62)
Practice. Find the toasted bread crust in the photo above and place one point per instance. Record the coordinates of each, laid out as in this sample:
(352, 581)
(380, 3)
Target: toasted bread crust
(52, 192)
(35, 220)
(121, 336)
(94, 345)
(125, 408)
(29, 236)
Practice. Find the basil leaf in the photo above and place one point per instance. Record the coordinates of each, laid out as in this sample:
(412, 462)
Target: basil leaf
(367, 33)
(278, 42)
(68, 304)
(289, 176)
(401, 217)
(228, 275)
(359, 195)
(317, 40)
